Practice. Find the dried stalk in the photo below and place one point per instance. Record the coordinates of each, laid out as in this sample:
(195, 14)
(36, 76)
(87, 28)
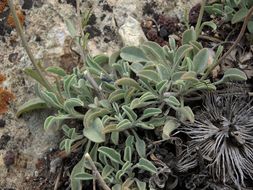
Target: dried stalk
(26, 46)
(246, 19)
(96, 173)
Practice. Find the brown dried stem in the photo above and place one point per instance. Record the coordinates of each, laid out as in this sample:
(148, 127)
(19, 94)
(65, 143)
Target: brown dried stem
(96, 173)
(246, 19)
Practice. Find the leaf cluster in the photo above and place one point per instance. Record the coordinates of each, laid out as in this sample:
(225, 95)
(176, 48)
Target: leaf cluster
(233, 11)
(135, 90)
(141, 88)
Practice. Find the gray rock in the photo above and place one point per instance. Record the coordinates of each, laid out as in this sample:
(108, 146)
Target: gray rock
(124, 8)
(131, 32)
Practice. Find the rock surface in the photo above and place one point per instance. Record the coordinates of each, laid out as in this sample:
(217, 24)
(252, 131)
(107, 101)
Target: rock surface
(49, 40)
(131, 32)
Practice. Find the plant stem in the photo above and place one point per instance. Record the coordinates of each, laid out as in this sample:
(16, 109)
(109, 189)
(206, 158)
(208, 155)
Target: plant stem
(201, 12)
(238, 39)
(80, 30)
(96, 172)
(87, 76)
(26, 46)
(212, 39)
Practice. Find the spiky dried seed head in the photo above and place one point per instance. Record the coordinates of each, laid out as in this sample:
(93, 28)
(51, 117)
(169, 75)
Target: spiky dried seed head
(223, 135)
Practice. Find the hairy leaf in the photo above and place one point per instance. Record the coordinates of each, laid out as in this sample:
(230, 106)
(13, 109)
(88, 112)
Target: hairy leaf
(30, 105)
(112, 154)
(146, 165)
(133, 54)
(95, 132)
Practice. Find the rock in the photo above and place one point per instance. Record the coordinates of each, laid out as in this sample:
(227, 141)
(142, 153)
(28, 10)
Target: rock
(2, 123)
(9, 158)
(41, 138)
(56, 39)
(4, 140)
(132, 33)
(124, 8)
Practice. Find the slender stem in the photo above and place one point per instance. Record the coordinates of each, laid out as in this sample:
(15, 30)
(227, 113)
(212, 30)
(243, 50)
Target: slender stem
(26, 46)
(94, 84)
(201, 12)
(96, 172)
(246, 19)
(80, 31)
(182, 101)
(212, 39)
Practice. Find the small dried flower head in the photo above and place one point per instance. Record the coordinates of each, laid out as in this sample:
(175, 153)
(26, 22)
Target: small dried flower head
(223, 136)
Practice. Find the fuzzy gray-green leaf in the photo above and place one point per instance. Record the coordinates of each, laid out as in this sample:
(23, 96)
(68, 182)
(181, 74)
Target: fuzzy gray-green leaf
(169, 126)
(239, 15)
(234, 74)
(150, 75)
(30, 105)
(70, 104)
(200, 61)
(186, 113)
(116, 95)
(52, 121)
(34, 74)
(150, 112)
(107, 170)
(125, 81)
(140, 147)
(146, 165)
(172, 100)
(147, 96)
(56, 70)
(124, 124)
(128, 153)
(95, 132)
(84, 176)
(112, 154)
(133, 54)
(130, 113)
(115, 137)
(189, 35)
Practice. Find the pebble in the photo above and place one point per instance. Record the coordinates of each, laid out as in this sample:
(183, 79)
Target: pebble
(2, 123)
(9, 158)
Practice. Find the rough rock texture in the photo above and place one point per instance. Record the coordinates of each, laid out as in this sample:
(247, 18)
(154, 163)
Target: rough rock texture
(50, 41)
(131, 32)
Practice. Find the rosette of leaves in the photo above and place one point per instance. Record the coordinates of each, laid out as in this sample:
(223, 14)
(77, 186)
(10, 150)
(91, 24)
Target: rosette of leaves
(221, 141)
(232, 11)
(136, 89)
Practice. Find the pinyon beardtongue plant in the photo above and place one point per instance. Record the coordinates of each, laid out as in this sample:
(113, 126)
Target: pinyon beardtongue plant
(222, 135)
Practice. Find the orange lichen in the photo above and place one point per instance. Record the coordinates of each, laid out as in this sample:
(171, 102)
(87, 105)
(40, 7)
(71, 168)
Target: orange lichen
(21, 16)
(3, 4)
(2, 78)
(5, 97)
(10, 19)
